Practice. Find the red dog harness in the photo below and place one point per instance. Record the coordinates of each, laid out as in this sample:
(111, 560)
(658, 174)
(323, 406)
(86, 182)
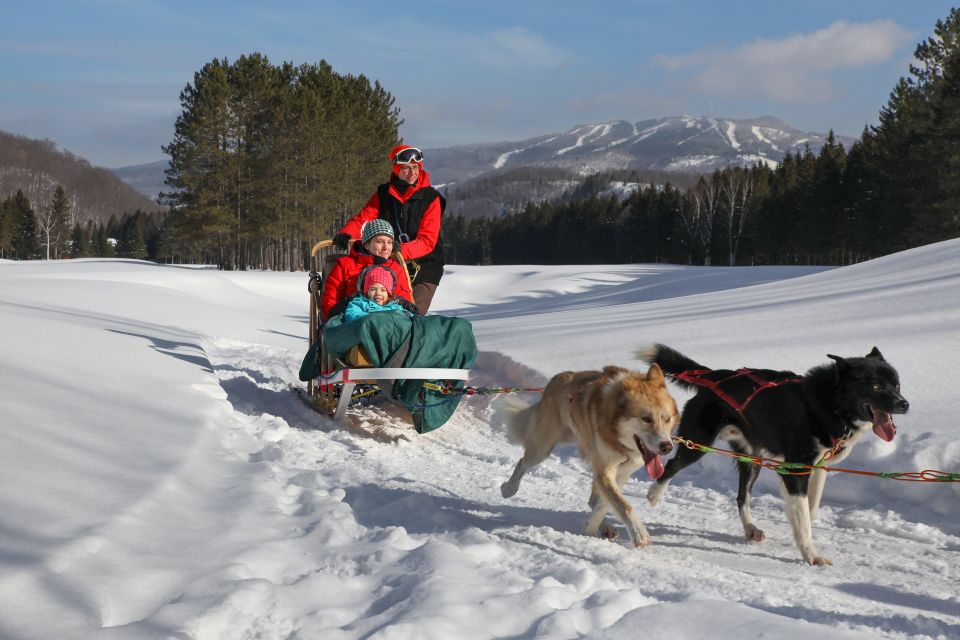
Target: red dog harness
(749, 384)
(754, 383)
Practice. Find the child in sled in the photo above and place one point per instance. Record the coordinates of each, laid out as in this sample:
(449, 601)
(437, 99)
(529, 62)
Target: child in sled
(378, 284)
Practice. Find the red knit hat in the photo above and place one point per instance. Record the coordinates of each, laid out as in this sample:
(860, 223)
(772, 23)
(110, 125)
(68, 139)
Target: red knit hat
(397, 149)
(379, 275)
(393, 155)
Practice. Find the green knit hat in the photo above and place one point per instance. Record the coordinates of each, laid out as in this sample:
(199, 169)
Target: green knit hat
(373, 228)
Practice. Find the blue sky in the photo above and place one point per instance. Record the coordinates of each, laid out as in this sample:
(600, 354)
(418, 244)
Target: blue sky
(102, 78)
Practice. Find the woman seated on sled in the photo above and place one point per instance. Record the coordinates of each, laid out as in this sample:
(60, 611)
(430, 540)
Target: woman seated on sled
(343, 283)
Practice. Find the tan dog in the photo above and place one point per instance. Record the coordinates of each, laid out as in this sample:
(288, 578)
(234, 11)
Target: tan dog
(621, 420)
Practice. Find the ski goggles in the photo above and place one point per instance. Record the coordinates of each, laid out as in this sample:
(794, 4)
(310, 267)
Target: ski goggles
(408, 156)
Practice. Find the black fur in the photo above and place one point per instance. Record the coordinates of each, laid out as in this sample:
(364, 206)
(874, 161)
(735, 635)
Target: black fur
(796, 421)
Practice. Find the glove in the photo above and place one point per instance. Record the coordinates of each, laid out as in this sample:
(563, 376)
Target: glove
(409, 306)
(342, 241)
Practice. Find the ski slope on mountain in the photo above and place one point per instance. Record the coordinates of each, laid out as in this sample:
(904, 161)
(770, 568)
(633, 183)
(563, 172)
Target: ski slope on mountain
(159, 480)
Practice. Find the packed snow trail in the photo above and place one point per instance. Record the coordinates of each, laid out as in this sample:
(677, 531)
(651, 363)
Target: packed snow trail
(426, 533)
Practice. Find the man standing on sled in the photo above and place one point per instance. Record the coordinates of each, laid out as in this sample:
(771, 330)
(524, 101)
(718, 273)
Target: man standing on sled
(413, 208)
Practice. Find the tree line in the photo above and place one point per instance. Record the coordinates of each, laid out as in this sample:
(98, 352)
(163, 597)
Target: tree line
(897, 187)
(45, 232)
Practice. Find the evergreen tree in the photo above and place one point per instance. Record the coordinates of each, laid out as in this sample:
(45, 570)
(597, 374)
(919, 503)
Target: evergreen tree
(826, 233)
(7, 218)
(938, 80)
(101, 246)
(131, 240)
(907, 165)
(886, 161)
(24, 241)
(199, 170)
(79, 242)
(153, 236)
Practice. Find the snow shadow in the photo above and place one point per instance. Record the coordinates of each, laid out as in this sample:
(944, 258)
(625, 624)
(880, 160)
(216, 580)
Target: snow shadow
(173, 349)
(905, 598)
(637, 284)
(420, 512)
(249, 398)
(424, 513)
(905, 625)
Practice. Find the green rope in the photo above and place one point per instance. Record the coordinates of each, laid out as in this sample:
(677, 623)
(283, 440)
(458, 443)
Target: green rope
(470, 391)
(799, 468)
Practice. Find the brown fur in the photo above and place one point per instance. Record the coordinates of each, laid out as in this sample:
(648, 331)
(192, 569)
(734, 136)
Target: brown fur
(607, 413)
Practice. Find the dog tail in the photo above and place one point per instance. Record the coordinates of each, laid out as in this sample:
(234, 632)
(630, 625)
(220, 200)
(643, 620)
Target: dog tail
(516, 415)
(670, 361)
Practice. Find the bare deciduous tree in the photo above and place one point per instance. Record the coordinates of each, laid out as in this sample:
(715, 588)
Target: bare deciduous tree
(738, 188)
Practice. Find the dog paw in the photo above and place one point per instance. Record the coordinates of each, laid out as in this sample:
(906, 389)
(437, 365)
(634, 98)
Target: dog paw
(820, 561)
(608, 532)
(641, 542)
(508, 490)
(655, 494)
(753, 534)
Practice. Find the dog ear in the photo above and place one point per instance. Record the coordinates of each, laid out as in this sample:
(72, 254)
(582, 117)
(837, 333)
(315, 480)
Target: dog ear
(842, 364)
(655, 375)
(875, 354)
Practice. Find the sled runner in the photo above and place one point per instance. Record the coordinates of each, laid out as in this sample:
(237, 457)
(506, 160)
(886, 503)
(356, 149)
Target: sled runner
(406, 359)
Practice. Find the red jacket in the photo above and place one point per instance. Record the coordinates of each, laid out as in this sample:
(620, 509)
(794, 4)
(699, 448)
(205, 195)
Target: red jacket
(424, 238)
(341, 282)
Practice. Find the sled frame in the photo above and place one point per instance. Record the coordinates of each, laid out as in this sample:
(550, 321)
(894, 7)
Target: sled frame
(324, 386)
(349, 377)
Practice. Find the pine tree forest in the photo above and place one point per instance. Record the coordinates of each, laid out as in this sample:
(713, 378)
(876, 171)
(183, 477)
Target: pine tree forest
(266, 160)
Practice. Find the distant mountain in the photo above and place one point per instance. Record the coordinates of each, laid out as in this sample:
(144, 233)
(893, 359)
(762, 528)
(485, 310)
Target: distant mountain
(145, 178)
(495, 178)
(677, 143)
(36, 167)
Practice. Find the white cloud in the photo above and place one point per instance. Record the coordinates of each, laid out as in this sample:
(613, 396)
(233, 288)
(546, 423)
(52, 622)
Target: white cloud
(528, 46)
(795, 68)
(512, 48)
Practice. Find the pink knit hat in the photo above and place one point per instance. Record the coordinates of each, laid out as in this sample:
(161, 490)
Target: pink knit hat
(380, 275)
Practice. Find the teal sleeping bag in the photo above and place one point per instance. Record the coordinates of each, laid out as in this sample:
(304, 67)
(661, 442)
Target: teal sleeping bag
(393, 339)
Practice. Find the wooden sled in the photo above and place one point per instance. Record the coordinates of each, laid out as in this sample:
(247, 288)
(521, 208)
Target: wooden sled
(333, 390)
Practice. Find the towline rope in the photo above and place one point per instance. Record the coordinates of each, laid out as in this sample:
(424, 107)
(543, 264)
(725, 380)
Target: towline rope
(473, 391)
(781, 467)
(800, 469)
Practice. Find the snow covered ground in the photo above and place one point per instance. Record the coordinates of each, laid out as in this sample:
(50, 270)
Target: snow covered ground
(158, 479)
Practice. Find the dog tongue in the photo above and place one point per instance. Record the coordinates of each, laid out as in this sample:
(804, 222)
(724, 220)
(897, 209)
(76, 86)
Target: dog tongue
(653, 464)
(883, 425)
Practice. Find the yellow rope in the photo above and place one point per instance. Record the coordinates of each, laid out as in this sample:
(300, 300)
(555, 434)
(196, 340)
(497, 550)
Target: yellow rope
(801, 469)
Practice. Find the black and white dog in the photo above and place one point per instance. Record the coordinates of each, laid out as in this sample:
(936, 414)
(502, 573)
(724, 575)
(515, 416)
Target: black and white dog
(794, 418)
